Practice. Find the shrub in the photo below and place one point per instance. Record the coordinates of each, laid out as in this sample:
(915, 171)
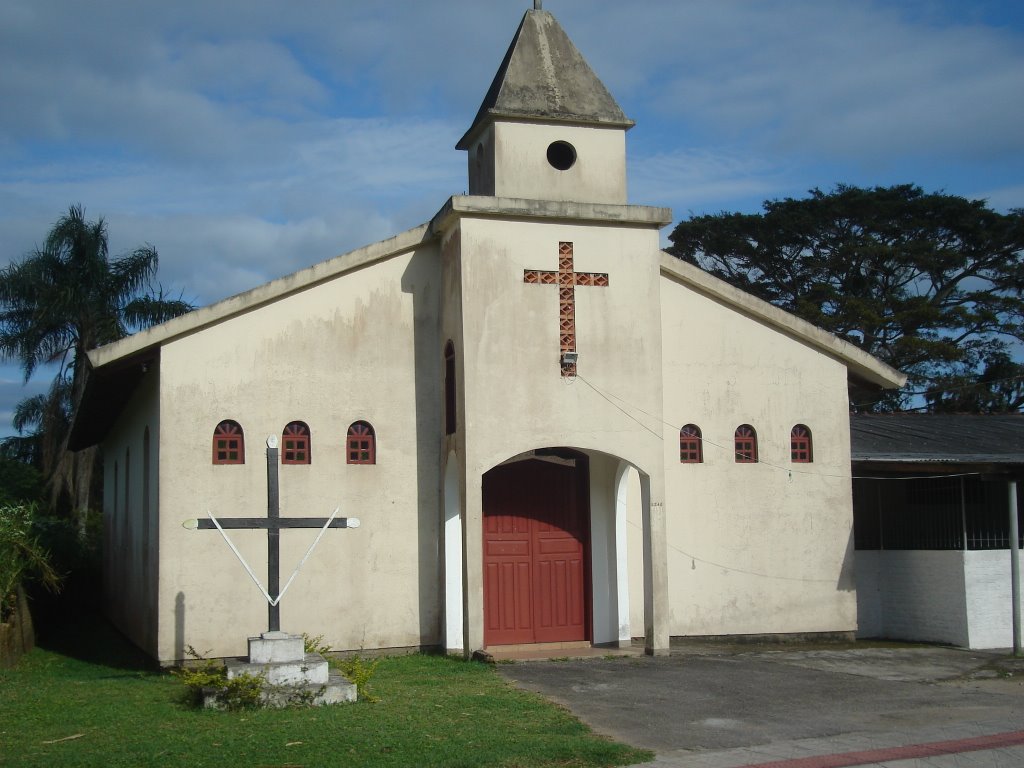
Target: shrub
(359, 671)
(204, 675)
(21, 556)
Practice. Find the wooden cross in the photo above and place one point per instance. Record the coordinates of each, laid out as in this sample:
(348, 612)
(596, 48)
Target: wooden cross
(566, 280)
(273, 523)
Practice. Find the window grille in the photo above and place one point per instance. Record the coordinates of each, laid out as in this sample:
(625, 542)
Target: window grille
(228, 443)
(746, 444)
(361, 446)
(295, 444)
(800, 445)
(691, 445)
(932, 513)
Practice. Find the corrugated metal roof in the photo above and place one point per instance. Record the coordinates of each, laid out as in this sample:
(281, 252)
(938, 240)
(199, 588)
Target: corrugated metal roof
(918, 437)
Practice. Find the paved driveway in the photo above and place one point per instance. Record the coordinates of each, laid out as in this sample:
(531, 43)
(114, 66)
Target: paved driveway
(706, 698)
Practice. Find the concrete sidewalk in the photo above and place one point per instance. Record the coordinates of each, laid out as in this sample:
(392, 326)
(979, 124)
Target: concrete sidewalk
(790, 706)
(935, 748)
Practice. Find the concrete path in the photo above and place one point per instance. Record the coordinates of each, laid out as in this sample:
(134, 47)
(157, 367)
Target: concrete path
(724, 706)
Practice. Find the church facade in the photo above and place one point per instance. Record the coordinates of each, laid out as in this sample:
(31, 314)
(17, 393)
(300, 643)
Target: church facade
(550, 430)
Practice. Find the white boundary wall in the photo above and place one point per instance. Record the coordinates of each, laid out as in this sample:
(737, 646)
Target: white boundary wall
(955, 597)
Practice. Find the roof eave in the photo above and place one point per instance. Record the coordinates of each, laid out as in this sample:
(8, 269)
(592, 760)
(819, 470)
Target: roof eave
(107, 392)
(581, 121)
(264, 294)
(641, 216)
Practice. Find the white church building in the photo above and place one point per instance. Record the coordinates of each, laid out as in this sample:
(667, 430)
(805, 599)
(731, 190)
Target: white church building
(550, 430)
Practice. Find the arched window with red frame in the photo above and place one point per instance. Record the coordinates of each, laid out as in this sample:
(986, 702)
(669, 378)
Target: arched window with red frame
(746, 444)
(801, 449)
(296, 445)
(691, 445)
(228, 443)
(361, 445)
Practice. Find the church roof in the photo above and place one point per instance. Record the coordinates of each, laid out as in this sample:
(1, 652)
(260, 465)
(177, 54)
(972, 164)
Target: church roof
(544, 76)
(859, 364)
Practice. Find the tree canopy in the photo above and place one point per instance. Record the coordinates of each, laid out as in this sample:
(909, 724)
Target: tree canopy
(55, 304)
(930, 283)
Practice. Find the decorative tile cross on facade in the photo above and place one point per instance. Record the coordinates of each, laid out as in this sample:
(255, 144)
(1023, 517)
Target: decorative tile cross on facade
(566, 280)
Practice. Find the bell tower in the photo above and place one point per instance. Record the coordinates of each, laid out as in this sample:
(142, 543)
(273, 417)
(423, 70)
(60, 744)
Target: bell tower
(547, 129)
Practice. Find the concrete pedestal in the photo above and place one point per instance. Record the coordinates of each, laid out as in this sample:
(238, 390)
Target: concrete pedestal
(290, 675)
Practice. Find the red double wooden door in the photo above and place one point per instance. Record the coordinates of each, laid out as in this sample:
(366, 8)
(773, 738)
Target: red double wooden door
(536, 537)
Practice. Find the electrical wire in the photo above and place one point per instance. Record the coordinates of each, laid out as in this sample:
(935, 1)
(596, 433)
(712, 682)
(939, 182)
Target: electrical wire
(608, 397)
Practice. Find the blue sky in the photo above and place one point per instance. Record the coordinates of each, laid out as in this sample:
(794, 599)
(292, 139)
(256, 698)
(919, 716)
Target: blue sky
(246, 140)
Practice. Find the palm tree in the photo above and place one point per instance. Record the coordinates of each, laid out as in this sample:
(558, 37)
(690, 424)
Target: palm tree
(42, 421)
(58, 302)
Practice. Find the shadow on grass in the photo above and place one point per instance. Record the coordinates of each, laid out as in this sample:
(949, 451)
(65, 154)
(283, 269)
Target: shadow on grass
(70, 624)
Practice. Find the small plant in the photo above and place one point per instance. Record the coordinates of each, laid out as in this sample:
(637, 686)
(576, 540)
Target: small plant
(315, 644)
(244, 691)
(359, 671)
(204, 676)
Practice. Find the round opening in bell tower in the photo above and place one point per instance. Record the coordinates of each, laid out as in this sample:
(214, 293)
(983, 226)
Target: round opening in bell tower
(561, 155)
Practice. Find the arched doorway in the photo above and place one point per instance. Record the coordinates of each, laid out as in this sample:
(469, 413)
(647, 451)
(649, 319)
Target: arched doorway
(536, 550)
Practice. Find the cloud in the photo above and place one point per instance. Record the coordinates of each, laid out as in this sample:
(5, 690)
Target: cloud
(249, 139)
(847, 79)
(704, 180)
(1002, 198)
(334, 186)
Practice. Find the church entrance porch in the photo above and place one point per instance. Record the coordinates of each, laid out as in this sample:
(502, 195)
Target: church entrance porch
(536, 551)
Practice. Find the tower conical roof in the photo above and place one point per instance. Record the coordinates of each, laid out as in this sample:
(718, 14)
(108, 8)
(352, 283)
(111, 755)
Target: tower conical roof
(544, 76)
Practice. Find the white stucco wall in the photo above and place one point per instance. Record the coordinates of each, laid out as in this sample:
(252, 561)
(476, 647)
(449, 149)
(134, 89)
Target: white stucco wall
(513, 396)
(130, 516)
(635, 550)
(522, 170)
(765, 547)
(362, 346)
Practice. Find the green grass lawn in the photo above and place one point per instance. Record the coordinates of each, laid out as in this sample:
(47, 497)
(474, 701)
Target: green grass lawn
(98, 705)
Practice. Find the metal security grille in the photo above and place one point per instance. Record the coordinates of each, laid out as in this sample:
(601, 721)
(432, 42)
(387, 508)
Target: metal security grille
(361, 444)
(746, 444)
(228, 443)
(295, 447)
(691, 445)
(800, 445)
(932, 513)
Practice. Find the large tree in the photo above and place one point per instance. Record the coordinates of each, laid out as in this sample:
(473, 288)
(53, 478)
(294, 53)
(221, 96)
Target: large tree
(929, 283)
(58, 302)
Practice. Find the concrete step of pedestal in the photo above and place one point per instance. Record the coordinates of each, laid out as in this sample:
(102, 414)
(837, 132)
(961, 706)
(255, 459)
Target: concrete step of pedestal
(337, 690)
(312, 670)
(271, 647)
